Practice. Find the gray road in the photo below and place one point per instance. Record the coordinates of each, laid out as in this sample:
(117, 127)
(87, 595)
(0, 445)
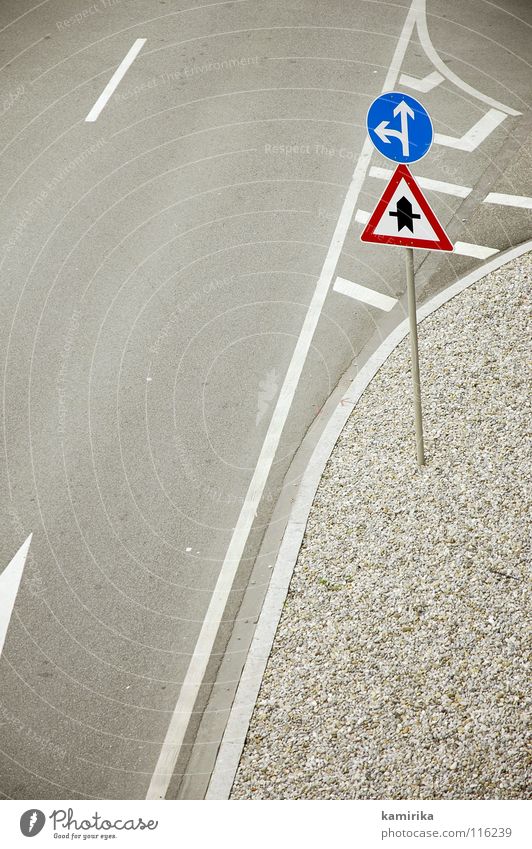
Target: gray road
(157, 266)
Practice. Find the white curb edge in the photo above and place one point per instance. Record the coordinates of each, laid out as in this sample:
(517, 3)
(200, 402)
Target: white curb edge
(232, 744)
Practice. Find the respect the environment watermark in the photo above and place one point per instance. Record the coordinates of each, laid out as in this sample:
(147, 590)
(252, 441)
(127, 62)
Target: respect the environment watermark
(36, 204)
(189, 71)
(308, 149)
(88, 12)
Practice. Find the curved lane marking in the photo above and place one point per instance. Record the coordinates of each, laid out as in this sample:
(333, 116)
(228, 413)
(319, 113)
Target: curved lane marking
(439, 64)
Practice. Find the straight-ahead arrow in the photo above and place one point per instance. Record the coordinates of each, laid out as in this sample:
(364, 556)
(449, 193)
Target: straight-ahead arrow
(9, 584)
(404, 214)
(404, 110)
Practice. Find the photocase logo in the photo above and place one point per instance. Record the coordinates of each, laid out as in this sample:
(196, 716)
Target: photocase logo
(32, 822)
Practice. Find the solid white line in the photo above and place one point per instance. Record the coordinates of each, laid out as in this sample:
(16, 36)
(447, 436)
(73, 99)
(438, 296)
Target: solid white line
(438, 63)
(115, 79)
(361, 216)
(474, 136)
(425, 183)
(426, 84)
(362, 293)
(249, 685)
(509, 200)
(205, 643)
(478, 251)
(9, 584)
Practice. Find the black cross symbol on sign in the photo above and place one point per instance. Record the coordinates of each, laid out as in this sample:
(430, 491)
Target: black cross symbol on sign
(405, 216)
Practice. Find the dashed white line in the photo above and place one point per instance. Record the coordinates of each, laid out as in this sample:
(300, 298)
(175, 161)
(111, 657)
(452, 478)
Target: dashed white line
(207, 637)
(509, 200)
(475, 135)
(362, 293)
(478, 251)
(425, 183)
(9, 584)
(426, 84)
(115, 79)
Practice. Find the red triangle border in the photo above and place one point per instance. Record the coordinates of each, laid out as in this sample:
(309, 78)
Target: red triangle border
(402, 172)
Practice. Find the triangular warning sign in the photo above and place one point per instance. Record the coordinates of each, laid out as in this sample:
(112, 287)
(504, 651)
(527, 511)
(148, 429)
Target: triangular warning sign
(404, 217)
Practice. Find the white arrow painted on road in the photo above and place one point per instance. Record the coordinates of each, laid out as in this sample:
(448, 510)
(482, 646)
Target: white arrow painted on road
(9, 584)
(404, 110)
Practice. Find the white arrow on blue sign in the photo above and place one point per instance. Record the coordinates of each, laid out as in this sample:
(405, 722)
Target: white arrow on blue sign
(400, 127)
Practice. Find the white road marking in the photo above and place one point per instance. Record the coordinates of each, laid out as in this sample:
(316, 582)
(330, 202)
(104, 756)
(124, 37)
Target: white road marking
(9, 584)
(362, 293)
(478, 251)
(361, 216)
(249, 685)
(509, 200)
(439, 64)
(115, 79)
(474, 136)
(425, 183)
(203, 649)
(426, 84)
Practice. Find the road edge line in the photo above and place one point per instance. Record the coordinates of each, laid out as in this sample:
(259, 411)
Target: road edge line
(237, 726)
(194, 676)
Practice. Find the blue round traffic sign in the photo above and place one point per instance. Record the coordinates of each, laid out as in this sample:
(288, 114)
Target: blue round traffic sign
(399, 127)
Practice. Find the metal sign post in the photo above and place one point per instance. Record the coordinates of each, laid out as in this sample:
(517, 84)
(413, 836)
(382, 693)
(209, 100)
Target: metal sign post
(412, 318)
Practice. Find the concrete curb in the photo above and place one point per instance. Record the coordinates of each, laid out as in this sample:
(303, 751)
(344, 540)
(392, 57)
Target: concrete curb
(248, 689)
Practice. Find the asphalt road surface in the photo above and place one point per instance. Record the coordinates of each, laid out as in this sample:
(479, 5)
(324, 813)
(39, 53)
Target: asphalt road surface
(170, 330)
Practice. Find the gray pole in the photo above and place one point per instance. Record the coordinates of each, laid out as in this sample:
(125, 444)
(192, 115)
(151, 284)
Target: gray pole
(415, 356)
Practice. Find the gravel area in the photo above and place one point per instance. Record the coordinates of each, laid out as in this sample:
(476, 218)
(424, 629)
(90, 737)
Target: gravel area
(399, 670)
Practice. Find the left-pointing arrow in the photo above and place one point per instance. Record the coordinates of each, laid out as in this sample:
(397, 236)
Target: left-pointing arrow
(9, 584)
(385, 134)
